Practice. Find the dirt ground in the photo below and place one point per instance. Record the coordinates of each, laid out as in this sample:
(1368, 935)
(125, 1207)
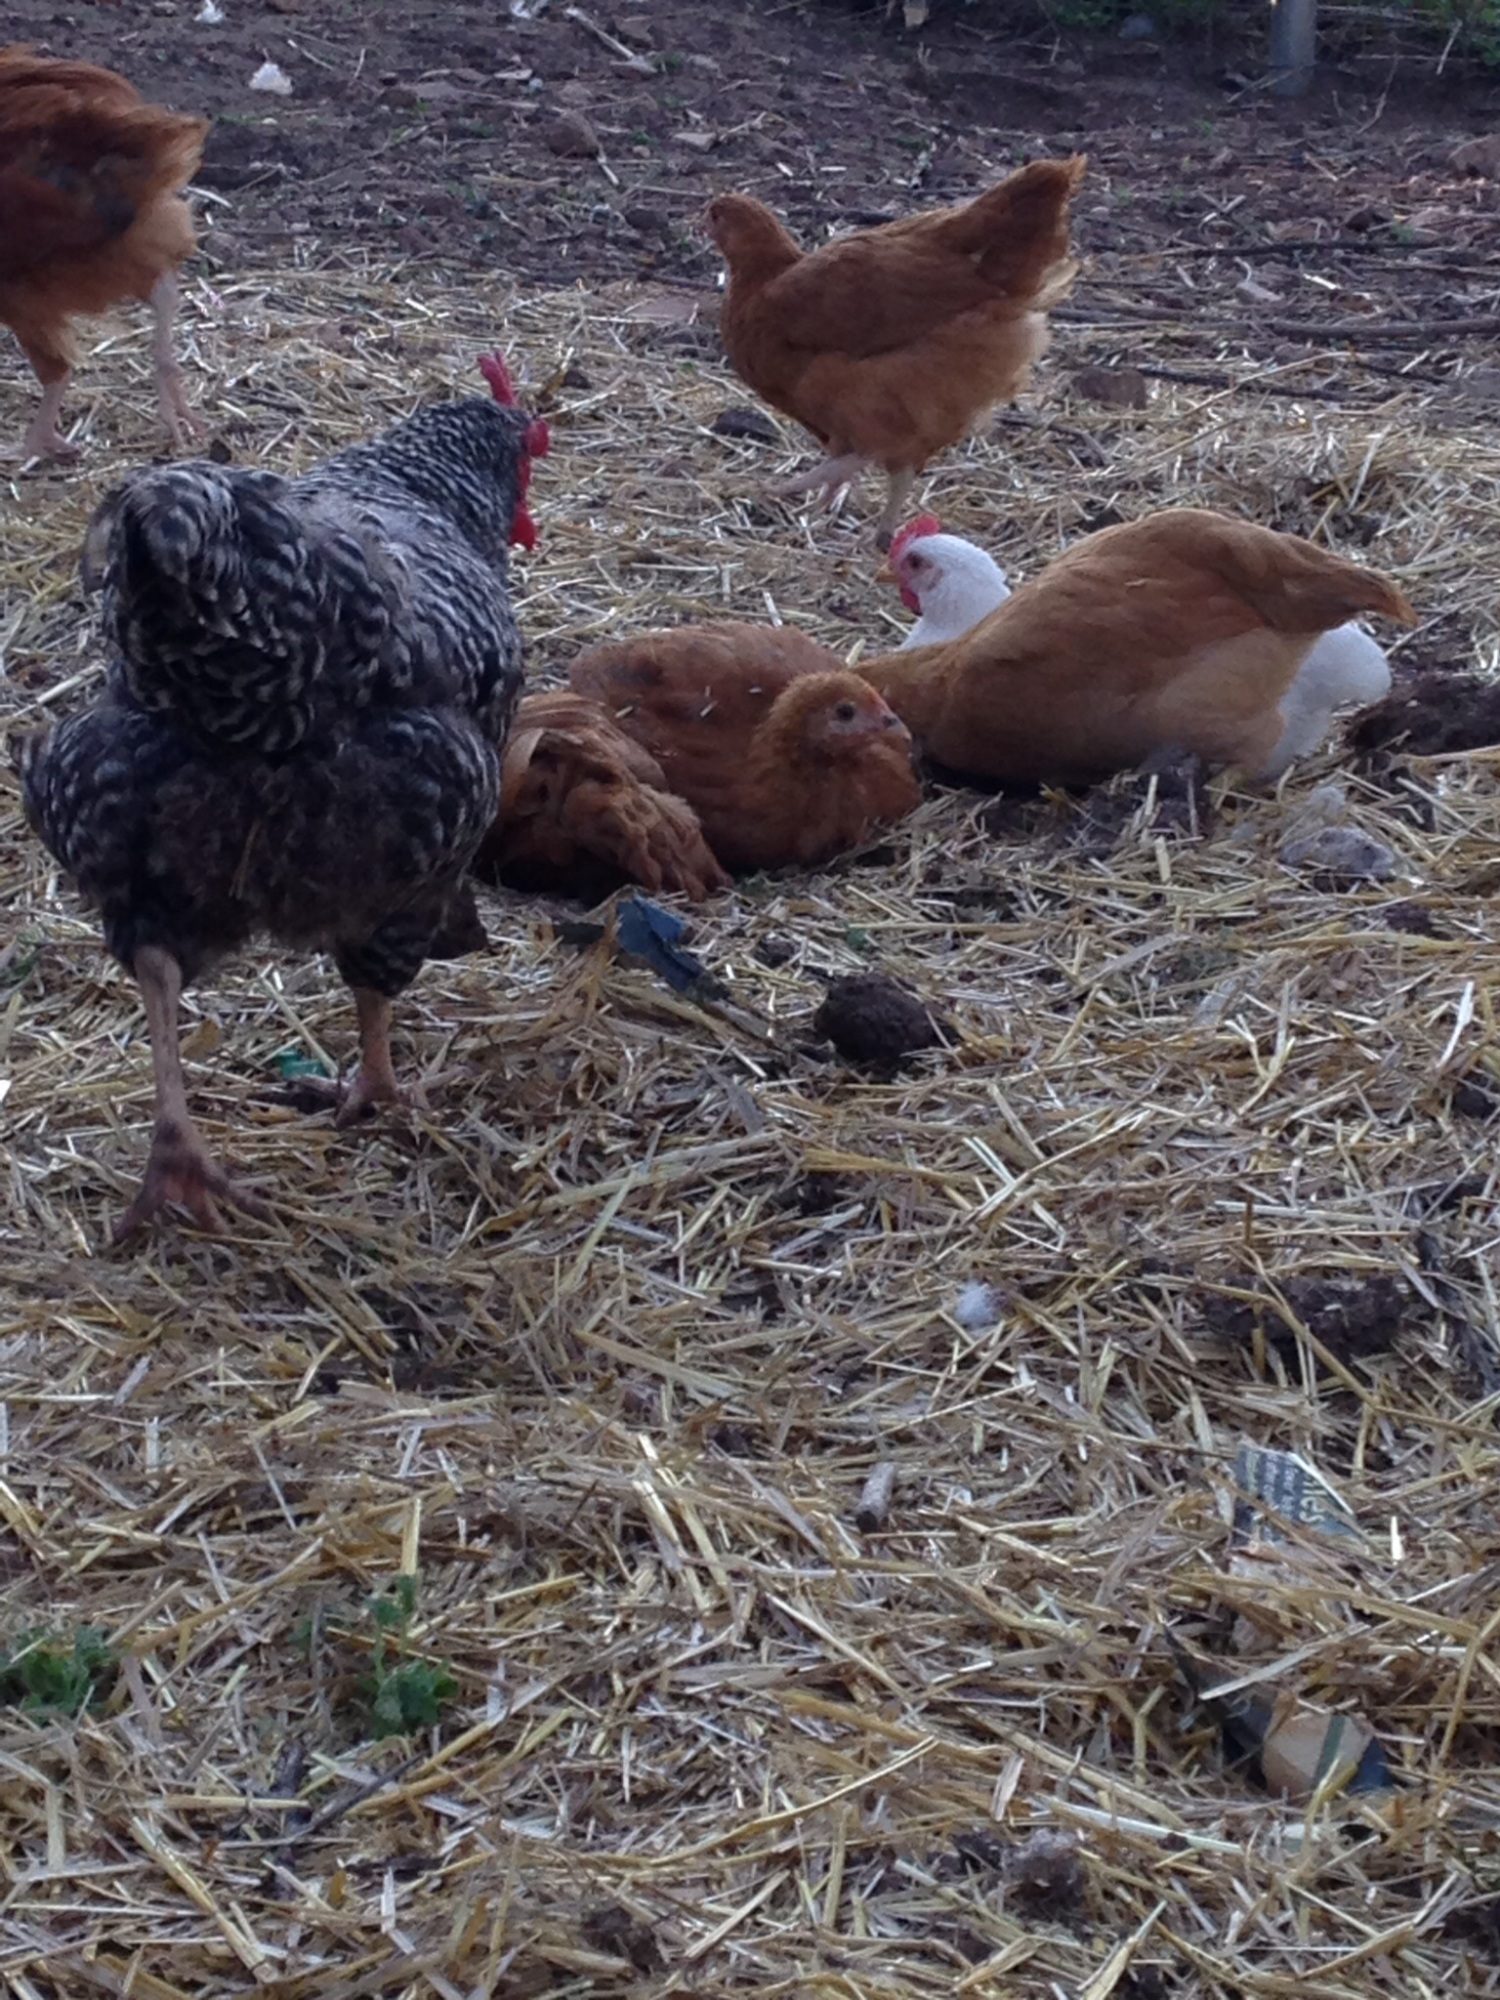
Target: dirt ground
(440, 136)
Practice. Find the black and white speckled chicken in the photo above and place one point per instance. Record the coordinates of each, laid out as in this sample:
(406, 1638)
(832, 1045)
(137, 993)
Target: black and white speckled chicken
(301, 736)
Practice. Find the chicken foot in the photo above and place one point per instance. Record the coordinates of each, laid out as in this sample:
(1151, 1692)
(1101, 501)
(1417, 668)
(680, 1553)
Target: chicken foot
(178, 415)
(374, 1081)
(898, 487)
(837, 472)
(180, 1171)
(43, 438)
(832, 474)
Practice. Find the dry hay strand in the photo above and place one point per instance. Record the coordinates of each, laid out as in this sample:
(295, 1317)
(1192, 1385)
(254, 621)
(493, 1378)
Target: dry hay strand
(612, 1347)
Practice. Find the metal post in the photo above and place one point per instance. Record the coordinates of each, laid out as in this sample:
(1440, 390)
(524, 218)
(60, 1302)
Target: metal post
(1294, 46)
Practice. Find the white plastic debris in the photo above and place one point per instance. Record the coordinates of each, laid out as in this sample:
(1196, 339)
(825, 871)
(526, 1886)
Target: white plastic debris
(210, 14)
(978, 1306)
(272, 78)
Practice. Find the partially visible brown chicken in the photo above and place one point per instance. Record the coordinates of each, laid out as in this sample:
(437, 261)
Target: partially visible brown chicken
(1185, 630)
(91, 214)
(889, 343)
(785, 756)
(582, 805)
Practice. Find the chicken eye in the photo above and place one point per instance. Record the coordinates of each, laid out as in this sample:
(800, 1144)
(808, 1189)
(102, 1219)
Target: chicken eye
(845, 712)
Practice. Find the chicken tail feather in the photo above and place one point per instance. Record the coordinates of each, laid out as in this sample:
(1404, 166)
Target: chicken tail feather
(228, 601)
(1018, 232)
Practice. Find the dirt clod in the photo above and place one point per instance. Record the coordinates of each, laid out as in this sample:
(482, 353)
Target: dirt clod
(1045, 1874)
(870, 1019)
(1354, 1316)
(1432, 717)
(1476, 1096)
(1414, 918)
(612, 1929)
(572, 137)
(1114, 388)
(738, 422)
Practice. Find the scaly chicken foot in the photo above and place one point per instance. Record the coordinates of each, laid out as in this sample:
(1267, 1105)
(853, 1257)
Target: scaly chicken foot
(180, 1171)
(898, 487)
(832, 475)
(43, 438)
(374, 1082)
(179, 416)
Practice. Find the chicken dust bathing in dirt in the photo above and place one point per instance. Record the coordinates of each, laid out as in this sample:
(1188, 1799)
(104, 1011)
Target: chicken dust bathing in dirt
(686, 1510)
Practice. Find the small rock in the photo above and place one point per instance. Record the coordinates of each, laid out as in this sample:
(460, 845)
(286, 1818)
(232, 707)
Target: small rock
(283, 6)
(1115, 388)
(1258, 294)
(1342, 853)
(636, 28)
(697, 139)
(1139, 28)
(574, 94)
(1369, 215)
(1477, 156)
(737, 422)
(437, 90)
(870, 1019)
(571, 137)
(646, 221)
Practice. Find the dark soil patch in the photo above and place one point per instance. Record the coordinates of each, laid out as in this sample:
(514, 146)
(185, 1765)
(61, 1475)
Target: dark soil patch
(427, 132)
(1355, 1318)
(1439, 713)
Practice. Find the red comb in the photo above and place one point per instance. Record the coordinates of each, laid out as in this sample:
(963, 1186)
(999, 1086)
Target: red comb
(924, 524)
(492, 367)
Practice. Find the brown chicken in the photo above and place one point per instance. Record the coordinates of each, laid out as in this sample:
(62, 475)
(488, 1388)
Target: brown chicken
(582, 805)
(785, 757)
(1183, 631)
(91, 214)
(888, 344)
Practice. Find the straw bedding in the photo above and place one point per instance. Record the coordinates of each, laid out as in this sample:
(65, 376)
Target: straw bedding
(607, 1346)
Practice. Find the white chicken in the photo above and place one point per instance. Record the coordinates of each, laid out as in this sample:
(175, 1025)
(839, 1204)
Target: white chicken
(952, 584)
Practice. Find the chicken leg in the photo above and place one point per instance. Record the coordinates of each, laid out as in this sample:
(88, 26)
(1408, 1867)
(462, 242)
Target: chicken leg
(181, 420)
(832, 474)
(43, 438)
(180, 1172)
(898, 487)
(375, 1079)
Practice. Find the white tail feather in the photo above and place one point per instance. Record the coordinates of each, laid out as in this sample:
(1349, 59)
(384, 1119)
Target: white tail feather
(1345, 668)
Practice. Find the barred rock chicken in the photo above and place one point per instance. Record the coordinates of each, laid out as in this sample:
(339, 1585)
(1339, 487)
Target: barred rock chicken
(91, 214)
(301, 735)
(889, 343)
(784, 756)
(1187, 631)
(583, 806)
